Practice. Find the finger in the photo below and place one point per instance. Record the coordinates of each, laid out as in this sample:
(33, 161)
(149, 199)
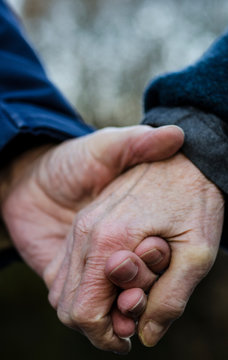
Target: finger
(101, 157)
(96, 321)
(155, 252)
(121, 148)
(169, 295)
(130, 305)
(123, 326)
(55, 275)
(86, 296)
(132, 302)
(126, 270)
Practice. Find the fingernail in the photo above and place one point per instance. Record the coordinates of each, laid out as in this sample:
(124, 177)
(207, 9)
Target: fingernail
(179, 128)
(151, 334)
(128, 337)
(139, 307)
(174, 126)
(152, 257)
(126, 271)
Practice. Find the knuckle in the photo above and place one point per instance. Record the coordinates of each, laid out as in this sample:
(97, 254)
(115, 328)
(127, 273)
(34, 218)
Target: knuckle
(48, 277)
(83, 223)
(63, 316)
(53, 300)
(102, 232)
(80, 317)
(206, 258)
(201, 258)
(98, 330)
(173, 309)
(76, 316)
(107, 237)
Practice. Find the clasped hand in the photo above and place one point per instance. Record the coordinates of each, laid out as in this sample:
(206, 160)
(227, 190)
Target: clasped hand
(119, 220)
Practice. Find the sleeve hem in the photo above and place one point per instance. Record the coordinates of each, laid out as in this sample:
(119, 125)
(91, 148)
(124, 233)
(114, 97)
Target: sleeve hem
(205, 143)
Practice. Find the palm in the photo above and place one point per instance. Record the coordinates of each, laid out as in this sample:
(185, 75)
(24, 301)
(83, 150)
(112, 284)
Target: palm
(49, 194)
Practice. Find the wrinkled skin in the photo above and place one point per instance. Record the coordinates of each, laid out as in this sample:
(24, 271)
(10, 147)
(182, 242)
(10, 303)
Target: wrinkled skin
(42, 190)
(171, 199)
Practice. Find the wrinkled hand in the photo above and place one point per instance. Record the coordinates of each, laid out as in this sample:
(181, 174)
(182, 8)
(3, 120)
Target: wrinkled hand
(43, 189)
(187, 211)
(170, 199)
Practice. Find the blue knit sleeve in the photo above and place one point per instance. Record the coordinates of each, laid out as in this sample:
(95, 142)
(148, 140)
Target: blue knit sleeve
(203, 85)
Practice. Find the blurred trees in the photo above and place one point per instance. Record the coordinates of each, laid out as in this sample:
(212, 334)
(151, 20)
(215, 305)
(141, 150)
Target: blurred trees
(101, 53)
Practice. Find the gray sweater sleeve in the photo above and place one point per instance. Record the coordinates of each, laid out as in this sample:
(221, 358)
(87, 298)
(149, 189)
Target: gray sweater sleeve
(205, 143)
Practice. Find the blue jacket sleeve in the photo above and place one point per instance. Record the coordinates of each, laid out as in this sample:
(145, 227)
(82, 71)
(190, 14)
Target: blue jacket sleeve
(31, 107)
(32, 110)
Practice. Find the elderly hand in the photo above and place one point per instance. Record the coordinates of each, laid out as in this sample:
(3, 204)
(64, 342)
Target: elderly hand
(186, 209)
(171, 199)
(43, 189)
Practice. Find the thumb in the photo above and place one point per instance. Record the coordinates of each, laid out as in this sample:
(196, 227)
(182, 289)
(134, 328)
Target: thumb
(77, 170)
(119, 149)
(168, 297)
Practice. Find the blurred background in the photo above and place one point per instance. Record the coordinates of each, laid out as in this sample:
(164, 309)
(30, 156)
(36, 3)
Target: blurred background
(101, 54)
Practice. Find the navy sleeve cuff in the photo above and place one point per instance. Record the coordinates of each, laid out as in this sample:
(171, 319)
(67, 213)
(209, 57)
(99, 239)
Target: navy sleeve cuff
(23, 127)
